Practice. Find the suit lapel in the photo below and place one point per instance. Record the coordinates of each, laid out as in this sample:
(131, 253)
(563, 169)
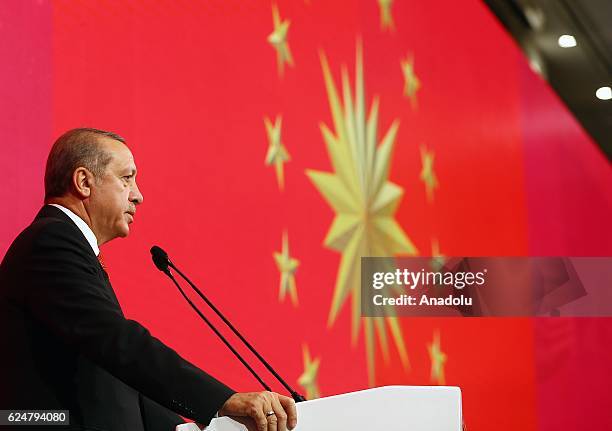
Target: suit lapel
(49, 211)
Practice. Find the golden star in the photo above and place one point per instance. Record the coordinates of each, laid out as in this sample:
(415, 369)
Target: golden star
(278, 39)
(386, 17)
(308, 379)
(411, 81)
(277, 153)
(438, 358)
(428, 175)
(437, 259)
(287, 267)
(364, 201)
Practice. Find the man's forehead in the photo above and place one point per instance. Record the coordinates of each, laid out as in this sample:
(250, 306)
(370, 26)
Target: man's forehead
(125, 164)
(121, 154)
(112, 145)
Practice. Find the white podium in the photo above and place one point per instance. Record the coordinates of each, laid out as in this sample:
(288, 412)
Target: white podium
(388, 408)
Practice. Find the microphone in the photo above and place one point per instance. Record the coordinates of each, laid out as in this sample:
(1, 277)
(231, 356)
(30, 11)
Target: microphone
(162, 262)
(160, 259)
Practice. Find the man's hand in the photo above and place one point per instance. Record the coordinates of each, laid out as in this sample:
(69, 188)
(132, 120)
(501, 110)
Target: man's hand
(259, 405)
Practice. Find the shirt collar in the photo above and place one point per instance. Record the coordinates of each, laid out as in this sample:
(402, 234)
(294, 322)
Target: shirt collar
(87, 232)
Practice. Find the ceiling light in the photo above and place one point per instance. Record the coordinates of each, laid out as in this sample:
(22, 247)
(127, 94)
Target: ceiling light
(567, 41)
(604, 93)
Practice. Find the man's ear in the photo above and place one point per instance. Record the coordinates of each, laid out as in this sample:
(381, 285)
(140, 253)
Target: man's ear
(82, 181)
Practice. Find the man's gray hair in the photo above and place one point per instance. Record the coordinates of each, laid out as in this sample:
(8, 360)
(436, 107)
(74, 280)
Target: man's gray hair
(76, 148)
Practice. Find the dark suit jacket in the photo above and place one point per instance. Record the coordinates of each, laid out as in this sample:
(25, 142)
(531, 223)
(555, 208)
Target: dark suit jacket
(67, 345)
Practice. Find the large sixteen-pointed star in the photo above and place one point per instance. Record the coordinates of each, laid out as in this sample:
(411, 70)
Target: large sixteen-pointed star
(364, 201)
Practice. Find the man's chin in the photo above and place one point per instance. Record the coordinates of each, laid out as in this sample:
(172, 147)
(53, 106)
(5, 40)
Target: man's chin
(125, 231)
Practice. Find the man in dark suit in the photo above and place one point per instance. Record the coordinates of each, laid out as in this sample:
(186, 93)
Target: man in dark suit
(67, 344)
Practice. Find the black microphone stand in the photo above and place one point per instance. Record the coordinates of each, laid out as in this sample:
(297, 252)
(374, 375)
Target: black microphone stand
(216, 331)
(162, 262)
(295, 395)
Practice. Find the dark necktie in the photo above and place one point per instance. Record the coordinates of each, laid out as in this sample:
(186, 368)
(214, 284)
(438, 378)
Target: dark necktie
(108, 285)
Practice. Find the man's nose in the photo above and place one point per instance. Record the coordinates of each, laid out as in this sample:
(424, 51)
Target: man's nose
(135, 196)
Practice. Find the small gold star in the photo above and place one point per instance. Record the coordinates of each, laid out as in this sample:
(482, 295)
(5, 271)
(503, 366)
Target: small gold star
(287, 267)
(428, 175)
(411, 81)
(438, 358)
(308, 379)
(278, 39)
(386, 17)
(437, 259)
(277, 153)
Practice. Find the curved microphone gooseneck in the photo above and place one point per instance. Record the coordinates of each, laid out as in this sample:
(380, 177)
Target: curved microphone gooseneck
(163, 267)
(162, 262)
